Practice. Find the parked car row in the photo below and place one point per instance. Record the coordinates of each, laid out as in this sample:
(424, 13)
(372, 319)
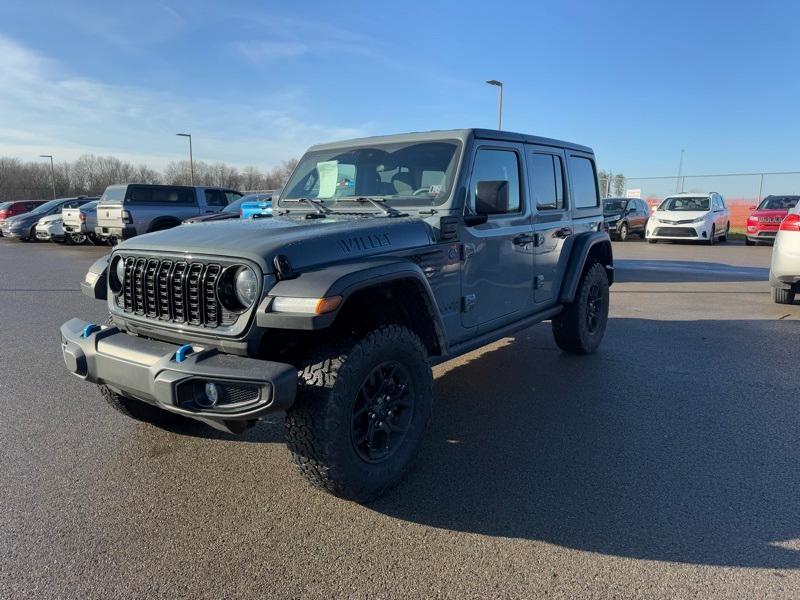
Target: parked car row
(124, 211)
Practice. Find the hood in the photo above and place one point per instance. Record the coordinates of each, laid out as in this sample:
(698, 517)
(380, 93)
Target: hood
(305, 242)
(220, 216)
(680, 215)
(50, 218)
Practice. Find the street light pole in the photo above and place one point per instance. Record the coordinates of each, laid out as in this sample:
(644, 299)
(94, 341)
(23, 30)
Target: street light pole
(499, 84)
(678, 186)
(191, 159)
(52, 172)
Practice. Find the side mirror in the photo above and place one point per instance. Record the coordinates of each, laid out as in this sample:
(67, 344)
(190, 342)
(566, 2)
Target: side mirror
(491, 197)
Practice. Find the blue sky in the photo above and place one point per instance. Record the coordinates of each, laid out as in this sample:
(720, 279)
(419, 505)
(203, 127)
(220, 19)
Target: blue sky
(257, 82)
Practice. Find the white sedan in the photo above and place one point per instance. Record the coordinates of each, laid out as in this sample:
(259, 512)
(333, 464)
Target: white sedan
(784, 272)
(691, 216)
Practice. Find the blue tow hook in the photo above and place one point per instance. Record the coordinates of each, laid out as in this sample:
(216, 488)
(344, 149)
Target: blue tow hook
(89, 330)
(182, 352)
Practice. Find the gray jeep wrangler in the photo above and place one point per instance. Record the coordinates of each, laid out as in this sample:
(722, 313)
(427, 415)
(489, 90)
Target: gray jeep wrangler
(385, 256)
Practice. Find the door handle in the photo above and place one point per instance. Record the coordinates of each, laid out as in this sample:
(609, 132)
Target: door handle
(564, 232)
(522, 239)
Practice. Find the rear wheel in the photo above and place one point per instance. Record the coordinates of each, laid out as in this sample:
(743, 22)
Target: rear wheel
(360, 414)
(580, 326)
(76, 239)
(782, 296)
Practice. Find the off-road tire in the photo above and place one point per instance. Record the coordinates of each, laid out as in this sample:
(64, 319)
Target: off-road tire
(320, 423)
(622, 234)
(571, 328)
(782, 296)
(136, 409)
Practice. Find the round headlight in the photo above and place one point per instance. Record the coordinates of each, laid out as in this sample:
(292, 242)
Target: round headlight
(246, 286)
(117, 276)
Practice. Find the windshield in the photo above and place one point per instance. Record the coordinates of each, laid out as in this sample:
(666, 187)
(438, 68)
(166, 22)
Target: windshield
(612, 206)
(775, 202)
(234, 206)
(407, 174)
(43, 208)
(685, 203)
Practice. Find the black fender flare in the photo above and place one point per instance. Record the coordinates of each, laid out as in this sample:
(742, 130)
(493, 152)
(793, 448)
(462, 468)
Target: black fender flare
(95, 281)
(345, 279)
(581, 247)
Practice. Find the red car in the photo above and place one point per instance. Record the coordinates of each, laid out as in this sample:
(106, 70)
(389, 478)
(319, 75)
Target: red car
(12, 209)
(764, 221)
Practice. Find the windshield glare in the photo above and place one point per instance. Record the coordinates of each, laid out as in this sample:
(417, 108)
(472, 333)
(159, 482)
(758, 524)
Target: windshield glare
(43, 208)
(408, 174)
(778, 202)
(234, 206)
(685, 203)
(612, 206)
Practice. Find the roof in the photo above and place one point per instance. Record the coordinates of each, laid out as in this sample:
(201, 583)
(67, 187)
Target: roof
(460, 134)
(689, 194)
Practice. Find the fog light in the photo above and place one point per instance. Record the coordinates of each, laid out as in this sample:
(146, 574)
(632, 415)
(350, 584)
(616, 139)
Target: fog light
(211, 397)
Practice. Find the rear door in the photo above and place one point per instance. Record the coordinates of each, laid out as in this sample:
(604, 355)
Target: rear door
(552, 219)
(215, 200)
(497, 275)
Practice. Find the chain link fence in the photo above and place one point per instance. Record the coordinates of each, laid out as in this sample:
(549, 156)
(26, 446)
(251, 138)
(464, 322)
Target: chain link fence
(741, 190)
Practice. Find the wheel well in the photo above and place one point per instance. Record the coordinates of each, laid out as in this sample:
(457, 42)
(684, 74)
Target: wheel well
(162, 223)
(401, 302)
(601, 253)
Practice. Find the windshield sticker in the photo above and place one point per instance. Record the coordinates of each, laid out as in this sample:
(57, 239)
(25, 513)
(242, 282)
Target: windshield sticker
(435, 190)
(328, 174)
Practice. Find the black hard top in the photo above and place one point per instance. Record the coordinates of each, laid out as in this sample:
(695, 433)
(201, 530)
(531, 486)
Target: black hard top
(460, 134)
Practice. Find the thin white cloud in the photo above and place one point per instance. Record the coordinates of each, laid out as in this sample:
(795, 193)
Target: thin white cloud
(47, 109)
(260, 51)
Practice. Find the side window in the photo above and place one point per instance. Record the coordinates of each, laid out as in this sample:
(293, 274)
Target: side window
(495, 183)
(584, 182)
(137, 194)
(547, 182)
(216, 198)
(722, 204)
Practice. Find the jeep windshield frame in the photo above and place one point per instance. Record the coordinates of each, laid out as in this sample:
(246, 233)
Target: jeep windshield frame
(403, 174)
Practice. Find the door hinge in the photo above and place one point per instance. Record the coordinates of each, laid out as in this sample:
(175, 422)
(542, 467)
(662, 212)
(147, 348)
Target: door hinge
(468, 302)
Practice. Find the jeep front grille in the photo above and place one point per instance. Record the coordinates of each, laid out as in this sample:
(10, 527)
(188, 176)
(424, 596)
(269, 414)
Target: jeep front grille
(173, 290)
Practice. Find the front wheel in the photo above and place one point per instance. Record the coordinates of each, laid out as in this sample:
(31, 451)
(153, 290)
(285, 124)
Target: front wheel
(623, 232)
(749, 242)
(360, 413)
(712, 239)
(724, 236)
(580, 326)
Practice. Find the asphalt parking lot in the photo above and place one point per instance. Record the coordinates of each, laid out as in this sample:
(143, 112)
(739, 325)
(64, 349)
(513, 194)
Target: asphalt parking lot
(664, 466)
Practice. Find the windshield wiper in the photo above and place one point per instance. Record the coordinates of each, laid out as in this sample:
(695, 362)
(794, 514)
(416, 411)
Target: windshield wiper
(380, 205)
(319, 208)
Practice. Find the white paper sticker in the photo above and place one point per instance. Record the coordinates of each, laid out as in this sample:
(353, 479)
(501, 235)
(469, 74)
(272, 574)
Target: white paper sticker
(328, 173)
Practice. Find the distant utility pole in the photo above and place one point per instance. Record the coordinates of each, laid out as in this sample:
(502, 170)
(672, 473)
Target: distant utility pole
(191, 159)
(678, 186)
(52, 172)
(499, 84)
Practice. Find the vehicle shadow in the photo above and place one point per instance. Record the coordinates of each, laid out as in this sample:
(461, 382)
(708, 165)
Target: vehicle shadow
(680, 271)
(673, 443)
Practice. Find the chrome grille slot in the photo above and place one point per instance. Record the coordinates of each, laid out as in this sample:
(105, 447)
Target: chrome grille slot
(138, 285)
(174, 290)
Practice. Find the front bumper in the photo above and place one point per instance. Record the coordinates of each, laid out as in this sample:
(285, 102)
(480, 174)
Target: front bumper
(151, 371)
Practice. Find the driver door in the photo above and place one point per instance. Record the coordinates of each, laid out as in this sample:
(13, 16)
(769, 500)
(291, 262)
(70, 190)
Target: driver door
(497, 276)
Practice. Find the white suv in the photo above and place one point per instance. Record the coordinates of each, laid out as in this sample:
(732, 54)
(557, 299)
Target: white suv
(690, 216)
(784, 272)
